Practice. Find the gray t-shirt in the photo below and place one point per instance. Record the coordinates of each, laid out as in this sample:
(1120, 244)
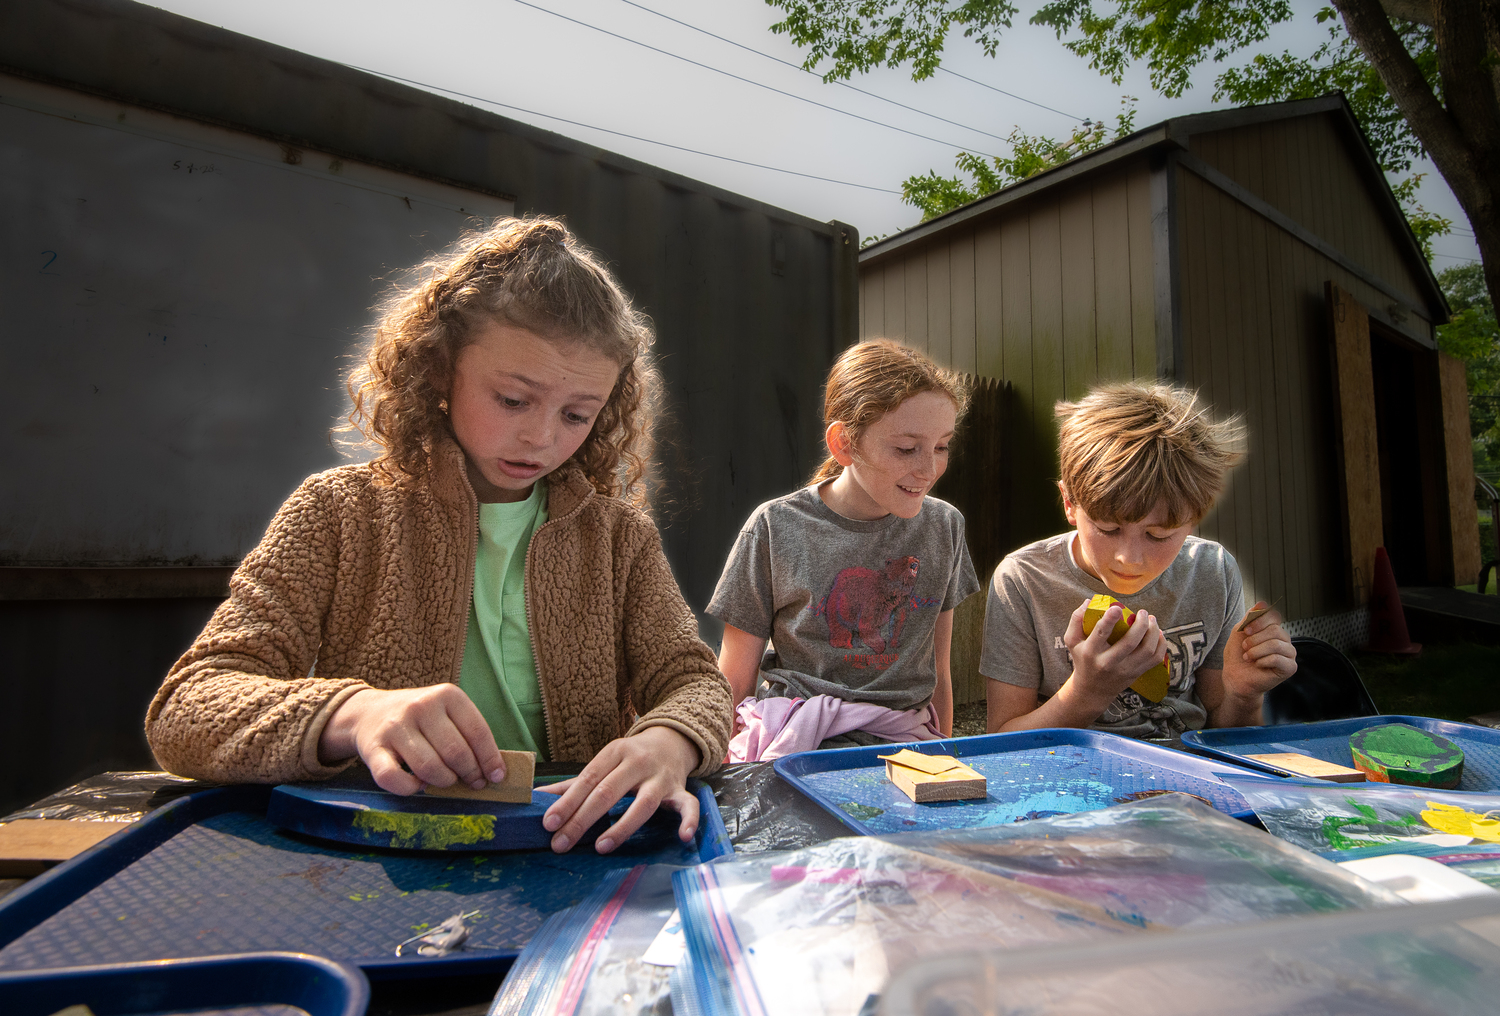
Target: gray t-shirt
(850, 606)
(1197, 601)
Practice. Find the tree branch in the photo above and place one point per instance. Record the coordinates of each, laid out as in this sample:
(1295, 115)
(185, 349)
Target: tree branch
(1468, 84)
(1468, 168)
(1434, 126)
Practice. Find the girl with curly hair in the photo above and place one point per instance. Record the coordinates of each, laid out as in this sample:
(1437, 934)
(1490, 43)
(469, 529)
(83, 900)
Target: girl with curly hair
(484, 581)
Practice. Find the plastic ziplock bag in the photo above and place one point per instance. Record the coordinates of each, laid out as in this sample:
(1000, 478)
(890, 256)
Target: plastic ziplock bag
(1428, 959)
(587, 960)
(1346, 821)
(816, 931)
(1165, 862)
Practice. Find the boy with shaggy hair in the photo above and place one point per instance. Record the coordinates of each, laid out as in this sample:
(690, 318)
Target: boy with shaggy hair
(1141, 465)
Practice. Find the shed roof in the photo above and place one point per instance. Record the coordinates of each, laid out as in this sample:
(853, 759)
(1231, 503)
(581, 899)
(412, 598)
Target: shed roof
(1173, 135)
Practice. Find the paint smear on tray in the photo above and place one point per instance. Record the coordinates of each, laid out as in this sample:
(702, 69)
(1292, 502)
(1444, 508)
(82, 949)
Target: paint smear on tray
(1060, 797)
(412, 830)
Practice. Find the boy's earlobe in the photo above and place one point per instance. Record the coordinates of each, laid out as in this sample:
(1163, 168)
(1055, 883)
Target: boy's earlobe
(1068, 508)
(839, 445)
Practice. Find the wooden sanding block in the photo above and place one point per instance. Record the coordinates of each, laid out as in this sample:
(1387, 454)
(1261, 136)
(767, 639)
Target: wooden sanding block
(1154, 684)
(1251, 616)
(926, 778)
(520, 774)
(1306, 765)
(29, 846)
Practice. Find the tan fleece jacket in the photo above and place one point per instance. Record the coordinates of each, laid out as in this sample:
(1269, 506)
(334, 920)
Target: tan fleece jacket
(360, 585)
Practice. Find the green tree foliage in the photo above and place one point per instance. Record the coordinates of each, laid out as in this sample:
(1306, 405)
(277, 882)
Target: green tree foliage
(1172, 38)
(1473, 336)
(1029, 156)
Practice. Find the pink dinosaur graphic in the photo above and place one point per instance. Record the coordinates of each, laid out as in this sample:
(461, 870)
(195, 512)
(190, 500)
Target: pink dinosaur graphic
(869, 603)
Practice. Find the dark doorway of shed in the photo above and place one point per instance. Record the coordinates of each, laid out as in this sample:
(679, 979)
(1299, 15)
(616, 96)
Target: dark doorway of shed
(1402, 377)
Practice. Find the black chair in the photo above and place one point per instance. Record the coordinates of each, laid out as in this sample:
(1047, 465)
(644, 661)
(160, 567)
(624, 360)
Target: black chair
(1325, 687)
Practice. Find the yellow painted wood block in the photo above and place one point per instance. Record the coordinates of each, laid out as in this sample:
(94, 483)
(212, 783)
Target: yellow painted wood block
(1154, 683)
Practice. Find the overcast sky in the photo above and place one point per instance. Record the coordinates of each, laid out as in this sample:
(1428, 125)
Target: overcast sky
(532, 63)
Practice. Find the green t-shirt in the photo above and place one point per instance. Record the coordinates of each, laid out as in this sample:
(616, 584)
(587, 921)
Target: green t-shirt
(499, 670)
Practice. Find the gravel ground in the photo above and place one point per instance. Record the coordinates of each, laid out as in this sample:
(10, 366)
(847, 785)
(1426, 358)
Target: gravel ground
(968, 719)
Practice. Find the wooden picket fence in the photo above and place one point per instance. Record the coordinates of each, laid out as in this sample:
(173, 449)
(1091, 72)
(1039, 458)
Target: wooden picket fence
(978, 484)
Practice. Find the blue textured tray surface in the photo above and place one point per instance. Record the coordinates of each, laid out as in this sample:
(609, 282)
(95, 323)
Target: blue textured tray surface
(232, 882)
(1329, 741)
(1030, 774)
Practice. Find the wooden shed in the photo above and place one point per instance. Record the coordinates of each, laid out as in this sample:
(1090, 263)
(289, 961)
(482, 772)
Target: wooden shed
(1256, 255)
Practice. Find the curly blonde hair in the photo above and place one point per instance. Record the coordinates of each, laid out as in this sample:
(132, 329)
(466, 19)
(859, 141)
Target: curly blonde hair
(872, 378)
(1124, 448)
(532, 273)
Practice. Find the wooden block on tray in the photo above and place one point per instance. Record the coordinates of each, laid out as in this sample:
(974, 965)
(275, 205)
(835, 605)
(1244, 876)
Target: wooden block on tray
(926, 778)
(29, 846)
(1306, 765)
(520, 774)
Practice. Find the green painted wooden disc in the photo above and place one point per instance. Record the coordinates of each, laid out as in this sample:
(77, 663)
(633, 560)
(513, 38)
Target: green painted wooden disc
(1401, 753)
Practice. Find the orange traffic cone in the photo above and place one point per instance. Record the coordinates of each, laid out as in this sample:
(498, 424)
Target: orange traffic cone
(1387, 620)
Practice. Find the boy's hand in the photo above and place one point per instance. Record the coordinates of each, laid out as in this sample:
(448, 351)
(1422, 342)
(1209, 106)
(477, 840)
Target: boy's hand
(653, 763)
(438, 732)
(1100, 670)
(1258, 658)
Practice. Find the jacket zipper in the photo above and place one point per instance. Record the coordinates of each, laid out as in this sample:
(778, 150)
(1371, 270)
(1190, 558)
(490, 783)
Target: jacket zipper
(463, 641)
(531, 623)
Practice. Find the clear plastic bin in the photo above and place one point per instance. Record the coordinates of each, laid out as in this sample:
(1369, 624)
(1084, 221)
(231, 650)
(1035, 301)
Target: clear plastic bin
(1429, 959)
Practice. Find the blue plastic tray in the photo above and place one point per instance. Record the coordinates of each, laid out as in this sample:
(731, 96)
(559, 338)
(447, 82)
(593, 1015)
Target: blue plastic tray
(209, 875)
(1030, 774)
(255, 983)
(1329, 741)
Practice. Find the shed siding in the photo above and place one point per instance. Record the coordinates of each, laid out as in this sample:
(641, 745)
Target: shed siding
(1065, 287)
(1302, 166)
(1052, 297)
(1255, 342)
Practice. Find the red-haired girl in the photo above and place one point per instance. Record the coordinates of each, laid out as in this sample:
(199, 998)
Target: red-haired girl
(853, 579)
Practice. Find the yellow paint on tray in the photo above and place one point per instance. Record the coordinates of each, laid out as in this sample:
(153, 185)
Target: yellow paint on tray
(1449, 818)
(411, 830)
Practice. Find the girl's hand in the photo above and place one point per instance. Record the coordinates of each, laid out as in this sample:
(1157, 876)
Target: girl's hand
(1260, 657)
(653, 763)
(438, 732)
(1101, 671)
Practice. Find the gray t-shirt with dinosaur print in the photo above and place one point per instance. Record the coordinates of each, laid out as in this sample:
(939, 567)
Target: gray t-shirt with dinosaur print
(850, 606)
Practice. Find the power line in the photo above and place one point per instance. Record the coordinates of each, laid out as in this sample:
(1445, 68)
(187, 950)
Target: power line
(804, 70)
(1013, 95)
(622, 134)
(748, 81)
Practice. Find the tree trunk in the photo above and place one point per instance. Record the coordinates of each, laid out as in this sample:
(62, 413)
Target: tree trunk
(1463, 138)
